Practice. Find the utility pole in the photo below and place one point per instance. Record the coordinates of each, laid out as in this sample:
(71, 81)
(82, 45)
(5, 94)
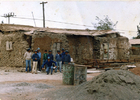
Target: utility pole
(11, 14)
(43, 13)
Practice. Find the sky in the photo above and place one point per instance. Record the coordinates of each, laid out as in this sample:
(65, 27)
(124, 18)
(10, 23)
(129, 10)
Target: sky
(127, 13)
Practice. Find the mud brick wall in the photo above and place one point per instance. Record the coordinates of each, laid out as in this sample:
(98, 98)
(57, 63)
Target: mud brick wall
(123, 48)
(135, 50)
(13, 57)
(118, 47)
(96, 50)
(80, 48)
(49, 41)
(113, 52)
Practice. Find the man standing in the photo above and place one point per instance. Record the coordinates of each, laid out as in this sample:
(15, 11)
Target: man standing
(50, 55)
(58, 58)
(28, 56)
(67, 58)
(49, 65)
(45, 56)
(63, 54)
(35, 58)
(39, 61)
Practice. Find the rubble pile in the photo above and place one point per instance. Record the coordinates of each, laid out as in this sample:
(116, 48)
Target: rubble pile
(111, 85)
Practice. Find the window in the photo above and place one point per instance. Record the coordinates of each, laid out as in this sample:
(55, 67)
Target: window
(56, 46)
(105, 50)
(8, 45)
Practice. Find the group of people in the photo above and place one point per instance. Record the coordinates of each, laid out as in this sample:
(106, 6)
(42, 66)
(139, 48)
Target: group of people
(48, 60)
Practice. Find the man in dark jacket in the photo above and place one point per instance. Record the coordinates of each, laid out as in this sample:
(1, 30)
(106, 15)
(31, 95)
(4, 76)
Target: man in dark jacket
(50, 55)
(49, 65)
(63, 54)
(58, 58)
(67, 58)
(45, 57)
(35, 58)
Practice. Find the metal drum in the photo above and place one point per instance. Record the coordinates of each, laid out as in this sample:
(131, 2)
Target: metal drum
(68, 74)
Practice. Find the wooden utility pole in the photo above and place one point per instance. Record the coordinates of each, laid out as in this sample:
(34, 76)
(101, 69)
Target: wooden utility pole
(11, 14)
(43, 13)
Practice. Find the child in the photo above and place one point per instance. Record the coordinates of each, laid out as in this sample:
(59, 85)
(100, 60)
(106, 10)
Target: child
(35, 58)
(58, 58)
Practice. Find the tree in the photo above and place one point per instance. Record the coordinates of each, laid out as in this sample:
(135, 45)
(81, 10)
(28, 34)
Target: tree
(105, 24)
(138, 35)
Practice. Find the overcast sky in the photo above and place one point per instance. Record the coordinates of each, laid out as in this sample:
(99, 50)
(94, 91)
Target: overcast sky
(127, 13)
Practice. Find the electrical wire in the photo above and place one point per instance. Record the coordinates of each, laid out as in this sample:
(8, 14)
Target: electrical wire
(53, 21)
(67, 23)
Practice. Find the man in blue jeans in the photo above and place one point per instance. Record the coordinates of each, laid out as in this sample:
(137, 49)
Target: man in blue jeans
(28, 56)
(49, 65)
(58, 58)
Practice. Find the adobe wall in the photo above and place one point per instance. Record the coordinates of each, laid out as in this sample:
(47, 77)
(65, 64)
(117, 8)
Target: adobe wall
(135, 52)
(123, 48)
(80, 47)
(13, 57)
(49, 41)
(118, 47)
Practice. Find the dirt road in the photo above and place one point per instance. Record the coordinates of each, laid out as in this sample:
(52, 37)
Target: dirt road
(16, 85)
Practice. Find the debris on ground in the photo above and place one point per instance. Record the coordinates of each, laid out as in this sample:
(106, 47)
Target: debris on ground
(126, 67)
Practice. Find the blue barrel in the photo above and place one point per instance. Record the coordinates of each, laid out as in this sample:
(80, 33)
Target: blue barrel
(68, 74)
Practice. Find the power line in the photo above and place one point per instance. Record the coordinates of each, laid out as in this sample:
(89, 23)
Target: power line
(67, 23)
(53, 21)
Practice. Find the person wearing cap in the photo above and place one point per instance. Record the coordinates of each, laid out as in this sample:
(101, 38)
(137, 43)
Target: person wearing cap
(50, 55)
(67, 58)
(63, 54)
(49, 65)
(58, 58)
(39, 61)
(45, 56)
(35, 58)
(27, 57)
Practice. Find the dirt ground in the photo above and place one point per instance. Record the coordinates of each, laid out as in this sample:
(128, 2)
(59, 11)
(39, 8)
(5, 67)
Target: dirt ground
(15, 85)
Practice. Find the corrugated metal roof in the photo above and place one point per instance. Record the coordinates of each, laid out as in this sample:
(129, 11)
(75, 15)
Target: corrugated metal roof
(134, 41)
(80, 32)
(29, 30)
